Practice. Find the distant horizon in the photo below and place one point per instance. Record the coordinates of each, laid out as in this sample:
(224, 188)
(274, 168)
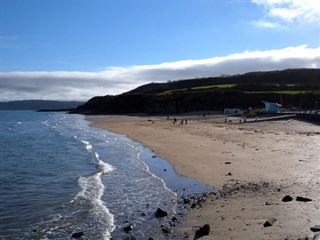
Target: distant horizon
(49, 100)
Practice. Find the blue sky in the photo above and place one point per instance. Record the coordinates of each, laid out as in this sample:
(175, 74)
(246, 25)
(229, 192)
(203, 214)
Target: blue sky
(80, 40)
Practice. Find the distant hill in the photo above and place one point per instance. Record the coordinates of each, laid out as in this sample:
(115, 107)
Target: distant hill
(296, 88)
(257, 80)
(39, 104)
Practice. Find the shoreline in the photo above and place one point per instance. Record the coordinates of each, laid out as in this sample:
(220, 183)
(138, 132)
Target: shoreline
(252, 166)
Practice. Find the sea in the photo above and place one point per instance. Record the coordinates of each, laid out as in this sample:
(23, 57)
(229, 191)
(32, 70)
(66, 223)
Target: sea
(60, 176)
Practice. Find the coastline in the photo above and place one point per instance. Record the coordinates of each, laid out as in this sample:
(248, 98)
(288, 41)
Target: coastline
(252, 166)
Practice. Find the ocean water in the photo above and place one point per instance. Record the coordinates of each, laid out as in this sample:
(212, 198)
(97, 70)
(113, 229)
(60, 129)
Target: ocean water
(59, 176)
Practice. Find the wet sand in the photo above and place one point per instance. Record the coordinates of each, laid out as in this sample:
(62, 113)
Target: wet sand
(252, 166)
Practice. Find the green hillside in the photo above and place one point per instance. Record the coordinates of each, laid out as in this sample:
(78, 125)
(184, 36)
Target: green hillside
(297, 88)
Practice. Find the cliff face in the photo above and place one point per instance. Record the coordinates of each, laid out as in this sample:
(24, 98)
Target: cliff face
(297, 88)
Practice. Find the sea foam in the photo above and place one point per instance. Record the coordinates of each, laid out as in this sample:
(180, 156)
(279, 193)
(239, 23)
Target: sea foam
(87, 145)
(92, 190)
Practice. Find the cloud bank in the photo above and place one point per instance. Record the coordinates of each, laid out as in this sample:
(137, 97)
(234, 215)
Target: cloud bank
(115, 80)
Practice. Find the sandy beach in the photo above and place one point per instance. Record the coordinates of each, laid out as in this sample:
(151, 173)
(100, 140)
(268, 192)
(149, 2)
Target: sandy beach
(252, 166)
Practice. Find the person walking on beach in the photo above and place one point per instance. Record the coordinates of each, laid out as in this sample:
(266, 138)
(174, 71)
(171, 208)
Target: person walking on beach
(174, 121)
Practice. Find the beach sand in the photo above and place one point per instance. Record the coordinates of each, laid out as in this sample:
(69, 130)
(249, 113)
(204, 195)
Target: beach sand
(251, 165)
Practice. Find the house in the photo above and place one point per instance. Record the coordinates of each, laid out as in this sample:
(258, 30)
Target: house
(271, 107)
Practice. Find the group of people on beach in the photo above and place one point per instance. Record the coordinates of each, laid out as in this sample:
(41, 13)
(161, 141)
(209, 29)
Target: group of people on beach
(182, 121)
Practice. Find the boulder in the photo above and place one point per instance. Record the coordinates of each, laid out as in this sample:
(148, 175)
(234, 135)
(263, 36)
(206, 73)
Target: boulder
(315, 228)
(161, 213)
(186, 200)
(303, 199)
(167, 230)
(78, 234)
(129, 227)
(287, 198)
(270, 222)
(203, 231)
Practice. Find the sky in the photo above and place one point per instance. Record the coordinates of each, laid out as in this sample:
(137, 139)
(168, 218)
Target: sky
(78, 49)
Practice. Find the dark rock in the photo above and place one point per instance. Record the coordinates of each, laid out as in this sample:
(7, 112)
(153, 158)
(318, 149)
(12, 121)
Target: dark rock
(165, 170)
(129, 228)
(161, 213)
(167, 230)
(78, 235)
(229, 174)
(152, 238)
(315, 228)
(186, 200)
(270, 222)
(203, 231)
(303, 199)
(227, 162)
(174, 219)
(287, 198)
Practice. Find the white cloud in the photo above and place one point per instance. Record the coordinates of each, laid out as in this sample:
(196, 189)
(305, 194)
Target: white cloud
(114, 80)
(290, 11)
(266, 24)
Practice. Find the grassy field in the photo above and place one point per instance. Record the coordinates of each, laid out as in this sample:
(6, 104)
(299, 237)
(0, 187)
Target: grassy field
(286, 92)
(222, 86)
(227, 86)
(215, 86)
